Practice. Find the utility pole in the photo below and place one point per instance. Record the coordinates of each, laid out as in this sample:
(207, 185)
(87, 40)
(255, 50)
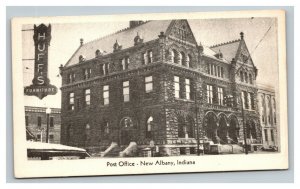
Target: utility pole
(197, 125)
(244, 128)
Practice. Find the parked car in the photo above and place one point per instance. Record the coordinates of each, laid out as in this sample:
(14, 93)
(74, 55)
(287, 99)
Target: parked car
(270, 149)
(48, 151)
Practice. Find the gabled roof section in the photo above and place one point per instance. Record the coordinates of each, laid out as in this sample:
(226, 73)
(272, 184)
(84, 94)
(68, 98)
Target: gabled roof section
(181, 29)
(228, 49)
(148, 31)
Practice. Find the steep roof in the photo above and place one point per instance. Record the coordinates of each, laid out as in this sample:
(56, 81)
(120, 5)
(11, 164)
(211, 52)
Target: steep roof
(210, 53)
(228, 49)
(124, 37)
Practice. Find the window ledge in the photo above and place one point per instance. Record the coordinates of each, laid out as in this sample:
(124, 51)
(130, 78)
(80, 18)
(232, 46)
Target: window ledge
(184, 100)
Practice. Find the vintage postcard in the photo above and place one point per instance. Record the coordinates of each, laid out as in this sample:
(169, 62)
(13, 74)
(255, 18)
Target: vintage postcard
(149, 93)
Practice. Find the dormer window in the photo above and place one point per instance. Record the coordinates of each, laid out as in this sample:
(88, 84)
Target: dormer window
(87, 73)
(71, 77)
(148, 57)
(81, 58)
(104, 69)
(125, 63)
(97, 53)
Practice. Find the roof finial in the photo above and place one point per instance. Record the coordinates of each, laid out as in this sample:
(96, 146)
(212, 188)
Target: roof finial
(200, 48)
(81, 41)
(242, 35)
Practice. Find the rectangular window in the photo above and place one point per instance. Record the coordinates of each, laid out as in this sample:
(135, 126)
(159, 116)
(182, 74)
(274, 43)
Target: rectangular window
(208, 68)
(39, 119)
(87, 73)
(71, 77)
(252, 106)
(220, 96)
(245, 99)
(71, 101)
(176, 86)
(215, 70)
(51, 137)
(51, 121)
(106, 94)
(222, 72)
(103, 69)
(87, 93)
(148, 84)
(145, 58)
(150, 60)
(187, 89)
(272, 135)
(209, 90)
(26, 120)
(123, 64)
(266, 134)
(126, 93)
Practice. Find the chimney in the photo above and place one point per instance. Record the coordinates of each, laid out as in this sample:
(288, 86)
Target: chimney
(135, 23)
(81, 42)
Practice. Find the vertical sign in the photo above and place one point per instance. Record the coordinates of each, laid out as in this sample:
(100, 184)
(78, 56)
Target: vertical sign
(41, 86)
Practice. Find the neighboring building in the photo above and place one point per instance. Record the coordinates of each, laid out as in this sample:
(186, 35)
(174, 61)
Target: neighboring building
(36, 124)
(154, 82)
(268, 115)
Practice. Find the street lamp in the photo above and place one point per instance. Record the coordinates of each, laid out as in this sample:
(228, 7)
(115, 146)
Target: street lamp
(48, 112)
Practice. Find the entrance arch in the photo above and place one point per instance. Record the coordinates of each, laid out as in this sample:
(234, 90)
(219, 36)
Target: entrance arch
(233, 130)
(223, 129)
(126, 126)
(211, 126)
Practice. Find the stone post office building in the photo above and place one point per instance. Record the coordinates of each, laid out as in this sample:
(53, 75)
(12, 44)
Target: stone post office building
(154, 82)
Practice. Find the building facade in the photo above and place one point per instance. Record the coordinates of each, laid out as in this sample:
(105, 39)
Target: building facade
(152, 83)
(36, 123)
(268, 116)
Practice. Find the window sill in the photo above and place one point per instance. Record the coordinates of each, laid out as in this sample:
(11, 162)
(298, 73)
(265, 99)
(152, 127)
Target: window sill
(184, 100)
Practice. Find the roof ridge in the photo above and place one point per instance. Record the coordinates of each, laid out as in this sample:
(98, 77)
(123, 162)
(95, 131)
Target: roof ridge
(119, 31)
(225, 43)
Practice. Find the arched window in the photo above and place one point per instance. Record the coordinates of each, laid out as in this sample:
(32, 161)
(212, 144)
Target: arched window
(242, 76)
(105, 127)
(246, 77)
(149, 127)
(181, 58)
(126, 122)
(250, 79)
(173, 56)
(181, 127)
(190, 127)
(188, 61)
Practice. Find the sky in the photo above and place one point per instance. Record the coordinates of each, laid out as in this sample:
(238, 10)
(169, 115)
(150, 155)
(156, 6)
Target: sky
(66, 39)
